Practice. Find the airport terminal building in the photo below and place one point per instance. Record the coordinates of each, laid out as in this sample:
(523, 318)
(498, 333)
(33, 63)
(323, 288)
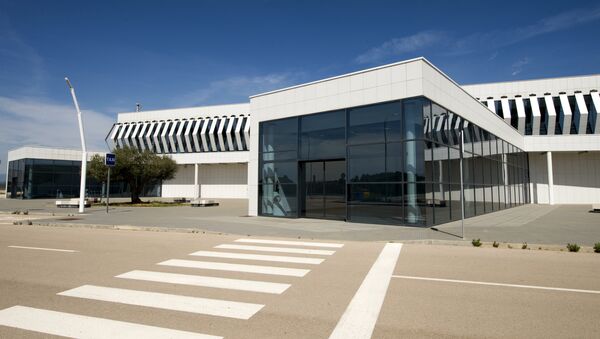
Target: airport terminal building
(384, 145)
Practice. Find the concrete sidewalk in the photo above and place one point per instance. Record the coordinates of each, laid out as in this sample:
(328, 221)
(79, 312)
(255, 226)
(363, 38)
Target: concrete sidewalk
(534, 224)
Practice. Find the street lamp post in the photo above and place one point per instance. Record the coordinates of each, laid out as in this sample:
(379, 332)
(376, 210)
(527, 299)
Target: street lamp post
(462, 189)
(83, 149)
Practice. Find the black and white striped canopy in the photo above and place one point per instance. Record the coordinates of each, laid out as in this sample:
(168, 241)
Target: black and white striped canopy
(216, 134)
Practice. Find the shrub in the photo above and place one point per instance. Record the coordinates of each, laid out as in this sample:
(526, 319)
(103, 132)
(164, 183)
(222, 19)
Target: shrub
(496, 244)
(524, 246)
(597, 247)
(476, 242)
(573, 247)
(509, 246)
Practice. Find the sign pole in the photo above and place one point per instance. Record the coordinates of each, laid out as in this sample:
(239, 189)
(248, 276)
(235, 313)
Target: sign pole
(110, 160)
(108, 190)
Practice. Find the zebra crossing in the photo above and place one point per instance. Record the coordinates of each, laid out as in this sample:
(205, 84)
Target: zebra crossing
(198, 273)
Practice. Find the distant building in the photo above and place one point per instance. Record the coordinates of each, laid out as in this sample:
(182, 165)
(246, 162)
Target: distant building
(41, 172)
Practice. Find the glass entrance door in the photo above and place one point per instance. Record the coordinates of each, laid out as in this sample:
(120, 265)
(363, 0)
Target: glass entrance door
(324, 189)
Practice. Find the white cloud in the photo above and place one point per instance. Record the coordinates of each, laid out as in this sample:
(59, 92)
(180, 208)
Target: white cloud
(517, 66)
(399, 46)
(478, 41)
(35, 121)
(237, 89)
(492, 40)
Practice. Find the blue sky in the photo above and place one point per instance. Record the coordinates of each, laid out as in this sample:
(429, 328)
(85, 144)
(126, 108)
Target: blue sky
(184, 53)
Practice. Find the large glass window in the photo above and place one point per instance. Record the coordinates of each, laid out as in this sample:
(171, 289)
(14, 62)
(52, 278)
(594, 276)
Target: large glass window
(415, 111)
(323, 136)
(279, 135)
(402, 161)
(45, 178)
(375, 124)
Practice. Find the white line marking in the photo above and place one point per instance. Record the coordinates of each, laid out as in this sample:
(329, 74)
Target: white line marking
(79, 326)
(200, 280)
(275, 249)
(220, 308)
(358, 321)
(219, 266)
(259, 257)
(497, 284)
(292, 243)
(42, 249)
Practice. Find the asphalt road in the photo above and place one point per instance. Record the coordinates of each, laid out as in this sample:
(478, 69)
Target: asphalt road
(84, 282)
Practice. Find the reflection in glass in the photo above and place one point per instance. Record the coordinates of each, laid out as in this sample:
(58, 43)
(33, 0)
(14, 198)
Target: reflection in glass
(278, 200)
(375, 124)
(279, 135)
(323, 136)
(284, 172)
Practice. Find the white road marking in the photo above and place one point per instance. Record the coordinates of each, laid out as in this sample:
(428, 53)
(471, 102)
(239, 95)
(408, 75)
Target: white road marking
(498, 284)
(274, 249)
(219, 266)
(43, 249)
(259, 257)
(358, 321)
(291, 243)
(205, 281)
(220, 308)
(79, 326)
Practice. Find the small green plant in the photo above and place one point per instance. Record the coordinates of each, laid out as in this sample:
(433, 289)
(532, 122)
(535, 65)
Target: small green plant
(573, 247)
(597, 247)
(524, 246)
(496, 244)
(509, 246)
(29, 222)
(25, 212)
(476, 242)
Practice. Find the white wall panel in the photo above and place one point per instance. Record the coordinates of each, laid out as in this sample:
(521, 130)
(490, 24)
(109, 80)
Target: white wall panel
(576, 177)
(225, 181)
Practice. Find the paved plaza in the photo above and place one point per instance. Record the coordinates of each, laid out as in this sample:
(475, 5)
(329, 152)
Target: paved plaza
(534, 224)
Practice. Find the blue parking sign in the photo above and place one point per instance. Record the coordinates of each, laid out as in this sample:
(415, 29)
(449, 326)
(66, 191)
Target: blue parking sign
(110, 159)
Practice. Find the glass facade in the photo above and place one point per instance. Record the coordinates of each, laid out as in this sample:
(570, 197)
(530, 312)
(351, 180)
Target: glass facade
(391, 163)
(43, 178)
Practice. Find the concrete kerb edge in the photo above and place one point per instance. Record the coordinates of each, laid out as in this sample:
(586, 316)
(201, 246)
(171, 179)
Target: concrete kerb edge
(129, 228)
(463, 243)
